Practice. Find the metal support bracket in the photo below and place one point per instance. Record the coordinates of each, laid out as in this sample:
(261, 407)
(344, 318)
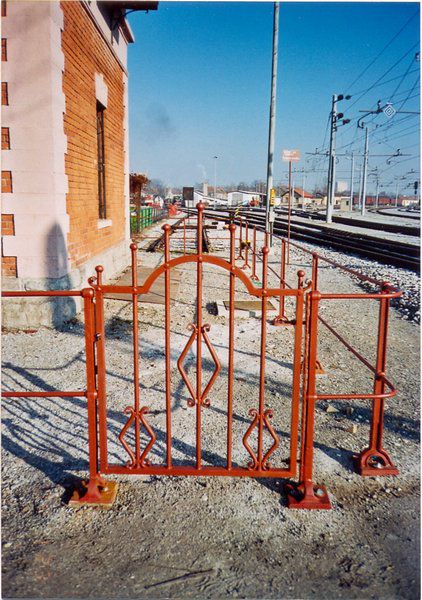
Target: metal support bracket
(374, 463)
(102, 493)
(308, 496)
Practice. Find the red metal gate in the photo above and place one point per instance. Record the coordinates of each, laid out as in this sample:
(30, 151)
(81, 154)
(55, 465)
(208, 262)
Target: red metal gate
(374, 460)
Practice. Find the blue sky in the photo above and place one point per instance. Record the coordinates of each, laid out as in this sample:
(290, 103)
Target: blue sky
(199, 76)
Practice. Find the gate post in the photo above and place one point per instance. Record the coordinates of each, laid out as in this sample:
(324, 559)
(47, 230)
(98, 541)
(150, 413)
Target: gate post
(374, 460)
(98, 491)
(315, 262)
(307, 494)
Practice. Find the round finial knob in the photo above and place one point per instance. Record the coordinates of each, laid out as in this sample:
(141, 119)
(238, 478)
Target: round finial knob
(133, 246)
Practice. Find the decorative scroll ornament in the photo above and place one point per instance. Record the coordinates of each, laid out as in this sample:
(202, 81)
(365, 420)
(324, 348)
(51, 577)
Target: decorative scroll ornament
(137, 417)
(201, 398)
(255, 464)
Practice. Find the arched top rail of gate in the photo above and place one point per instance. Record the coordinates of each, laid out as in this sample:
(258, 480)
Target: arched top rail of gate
(199, 257)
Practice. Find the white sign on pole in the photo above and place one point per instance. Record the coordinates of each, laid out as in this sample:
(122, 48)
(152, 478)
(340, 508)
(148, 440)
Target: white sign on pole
(291, 155)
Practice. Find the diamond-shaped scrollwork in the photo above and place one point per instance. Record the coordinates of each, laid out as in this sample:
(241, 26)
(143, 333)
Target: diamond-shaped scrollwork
(201, 396)
(256, 463)
(139, 419)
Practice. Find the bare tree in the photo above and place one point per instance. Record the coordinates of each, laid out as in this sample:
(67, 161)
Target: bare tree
(157, 188)
(137, 181)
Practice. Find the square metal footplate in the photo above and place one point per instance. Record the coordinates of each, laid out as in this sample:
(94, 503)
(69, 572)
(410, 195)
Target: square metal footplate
(108, 494)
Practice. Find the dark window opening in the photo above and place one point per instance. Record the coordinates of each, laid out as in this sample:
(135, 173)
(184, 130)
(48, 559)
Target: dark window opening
(102, 209)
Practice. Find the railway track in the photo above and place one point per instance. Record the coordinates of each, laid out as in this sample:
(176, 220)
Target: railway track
(404, 214)
(388, 227)
(391, 252)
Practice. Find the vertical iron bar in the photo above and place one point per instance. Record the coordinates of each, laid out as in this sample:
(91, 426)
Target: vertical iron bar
(265, 251)
(246, 264)
(167, 289)
(289, 215)
(240, 238)
(101, 366)
(311, 388)
(297, 367)
(93, 492)
(315, 259)
(200, 208)
(377, 421)
(230, 382)
(254, 276)
(305, 372)
(133, 248)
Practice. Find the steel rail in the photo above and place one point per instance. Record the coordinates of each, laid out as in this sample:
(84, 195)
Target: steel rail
(388, 252)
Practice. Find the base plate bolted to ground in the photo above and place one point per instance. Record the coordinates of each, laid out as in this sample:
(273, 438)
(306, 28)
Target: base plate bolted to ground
(108, 495)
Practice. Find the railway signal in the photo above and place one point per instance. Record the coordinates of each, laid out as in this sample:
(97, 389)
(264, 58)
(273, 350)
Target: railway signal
(335, 118)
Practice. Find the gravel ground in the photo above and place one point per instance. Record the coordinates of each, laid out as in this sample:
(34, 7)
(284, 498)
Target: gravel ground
(404, 279)
(215, 537)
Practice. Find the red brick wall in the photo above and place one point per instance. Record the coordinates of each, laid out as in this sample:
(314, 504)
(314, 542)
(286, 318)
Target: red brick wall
(86, 54)
(7, 225)
(8, 266)
(6, 182)
(5, 138)
(8, 263)
(4, 94)
(3, 49)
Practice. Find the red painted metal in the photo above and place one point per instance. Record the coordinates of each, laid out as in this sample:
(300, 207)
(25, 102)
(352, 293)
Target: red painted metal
(281, 318)
(246, 246)
(240, 255)
(254, 276)
(373, 460)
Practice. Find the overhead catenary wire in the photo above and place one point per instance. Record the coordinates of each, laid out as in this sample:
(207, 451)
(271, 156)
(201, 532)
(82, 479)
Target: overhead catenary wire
(395, 36)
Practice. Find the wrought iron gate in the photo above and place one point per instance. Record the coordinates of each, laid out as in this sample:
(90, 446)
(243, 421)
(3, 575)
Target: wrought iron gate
(306, 298)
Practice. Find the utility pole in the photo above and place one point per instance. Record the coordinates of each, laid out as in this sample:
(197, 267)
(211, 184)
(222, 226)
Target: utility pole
(352, 174)
(303, 188)
(377, 192)
(397, 194)
(364, 172)
(215, 179)
(289, 212)
(271, 134)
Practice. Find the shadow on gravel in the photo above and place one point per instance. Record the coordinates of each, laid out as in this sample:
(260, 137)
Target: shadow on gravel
(399, 425)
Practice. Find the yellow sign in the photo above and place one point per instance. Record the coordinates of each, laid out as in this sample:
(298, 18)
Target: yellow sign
(272, 197)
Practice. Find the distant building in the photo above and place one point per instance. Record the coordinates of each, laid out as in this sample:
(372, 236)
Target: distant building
(300, 196)
(341, 187)
(65, 169)
(241, 198)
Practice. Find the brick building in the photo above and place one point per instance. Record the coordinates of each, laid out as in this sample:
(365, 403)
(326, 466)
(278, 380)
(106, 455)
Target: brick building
(65, 168)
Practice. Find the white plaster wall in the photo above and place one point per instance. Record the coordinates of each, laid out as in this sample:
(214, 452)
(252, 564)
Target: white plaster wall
(103, 22)
(37, 140)
(126, 143)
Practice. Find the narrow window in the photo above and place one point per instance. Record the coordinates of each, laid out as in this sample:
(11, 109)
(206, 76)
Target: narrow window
(3, 49)
(101, 162)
